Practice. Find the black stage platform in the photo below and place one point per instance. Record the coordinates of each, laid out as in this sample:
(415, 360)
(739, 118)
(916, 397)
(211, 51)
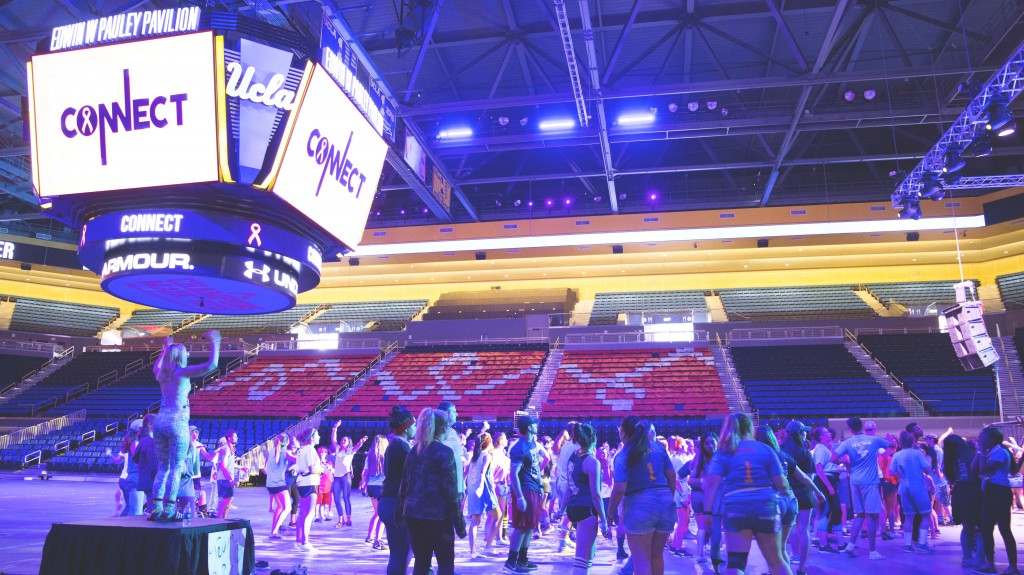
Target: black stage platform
(132, 545)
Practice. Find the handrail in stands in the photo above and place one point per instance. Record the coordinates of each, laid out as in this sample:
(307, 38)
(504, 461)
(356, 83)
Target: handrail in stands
(58, 355)
(784, 333)
(36, 456)
(22, 435)
(891, 330)
(695, 336)
(736, 387)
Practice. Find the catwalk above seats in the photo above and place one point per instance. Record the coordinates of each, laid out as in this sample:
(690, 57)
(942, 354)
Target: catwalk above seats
(371, 315)
(656, 383)
(54, 317)
(492, 304)
(481, 382)
(238, 325)
(810, 381)
(290, 386)
(794, 303)
(608, 306)
(929, 368)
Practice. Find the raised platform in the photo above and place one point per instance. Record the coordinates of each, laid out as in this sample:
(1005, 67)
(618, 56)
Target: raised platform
(132, 545)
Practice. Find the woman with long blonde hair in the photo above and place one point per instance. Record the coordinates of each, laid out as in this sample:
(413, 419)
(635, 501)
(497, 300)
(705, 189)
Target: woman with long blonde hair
(278, 461)
(482, 498)
(373, 479)
(751, 480)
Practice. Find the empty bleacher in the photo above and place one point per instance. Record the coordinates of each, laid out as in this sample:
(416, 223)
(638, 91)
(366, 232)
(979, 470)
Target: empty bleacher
(1011, 288)
(58, 442)
(290, 386)
(85, 368)
(493, 304)
(607, 306)
(810, 381)
(916, 294)
(794, 303)
(151, 320)
(492, 381)
(16, 367)
(657, 383)
(239, 325)
(383, 315)
(928, 367)
(44, 316)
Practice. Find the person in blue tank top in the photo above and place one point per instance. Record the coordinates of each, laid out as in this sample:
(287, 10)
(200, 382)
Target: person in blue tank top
(582, 497)
(751, 480)
(645, 477)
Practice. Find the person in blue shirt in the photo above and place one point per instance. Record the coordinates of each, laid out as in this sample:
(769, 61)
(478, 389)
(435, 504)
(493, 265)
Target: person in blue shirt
(862, 451)
(996, 499)
(644, 476)
(751, 481)
(910, 464)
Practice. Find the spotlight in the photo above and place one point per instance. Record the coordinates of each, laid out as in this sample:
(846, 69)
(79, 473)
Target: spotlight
(979, 147)
(998, 115)
(652, 196)
(952, 162)
(931, 188)
(455, 133)
(401, 212)
(1008, 129)
(712, 105)
(497, 202)
(517, 203)
(870, 94)
(725, 112)
(557, 125)
(529, 204)
(425, 210)
(910, 210)
(548, 203)
(673, 107)
(502, 121)
(568, 201)
(692, 106)
(635, 119)
(524, 120)
(850, 96)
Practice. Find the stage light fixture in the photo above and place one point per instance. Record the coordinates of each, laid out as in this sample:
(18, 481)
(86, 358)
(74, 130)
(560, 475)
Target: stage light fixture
(636, 119)
(911, 209)
(548, 203)
(979, 147)
(997, 116)
(850, 96)
(693, 106)
(952, 162)
(931, 188)
(1008, 129)
(652, 196)
(673, 107)
(712, 104)
(597, 199)
(557, 125)
(518, 203)
(725, 112)
(524, 120)
(455, 133)
(568, 201)
(870, 94)
(502, 121)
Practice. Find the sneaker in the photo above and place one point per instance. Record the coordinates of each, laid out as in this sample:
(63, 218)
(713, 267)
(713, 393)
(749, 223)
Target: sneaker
(886, 536)
(1011, 571)
(828, 549)
(318, 520)
(985, 570)
(377, 546)
(511, 567)
(875, 555)
(298, 547)
(275, 536)
(682, 553)
(924, 548)
(527, 567)
(308, 548)
(908, 548)
(850, 550)
(368, 541)
(348, 523)
(621, 555)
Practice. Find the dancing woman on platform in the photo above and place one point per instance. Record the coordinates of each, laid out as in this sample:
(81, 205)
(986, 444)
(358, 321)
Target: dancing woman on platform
(170, 429)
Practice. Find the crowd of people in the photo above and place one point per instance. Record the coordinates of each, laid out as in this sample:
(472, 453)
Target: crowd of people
(788, 489)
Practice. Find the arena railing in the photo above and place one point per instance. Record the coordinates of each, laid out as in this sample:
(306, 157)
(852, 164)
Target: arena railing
(894, 331)
(695, 336)
(763, 334)
(484, 341)
(23, 435)
(295, 345)
(59, 354)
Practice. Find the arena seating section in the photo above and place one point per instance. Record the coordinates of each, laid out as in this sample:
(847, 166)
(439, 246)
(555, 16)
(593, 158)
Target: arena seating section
(493, 304)
(1011, 288)
(928, 367)
(608, 306)
(657, 383)
(794, 303)
(278, 386)
(493, 381)
(810, 381)
(916, 294)
(16, 367)
(384, 315)
(239, 325)
(151, 319)
(75, 319)
(83, 368)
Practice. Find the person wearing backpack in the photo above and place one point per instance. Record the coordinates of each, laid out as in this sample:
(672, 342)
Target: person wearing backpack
(996, 467)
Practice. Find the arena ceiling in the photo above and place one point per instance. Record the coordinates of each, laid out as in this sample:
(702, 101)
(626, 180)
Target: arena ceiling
(752, 102)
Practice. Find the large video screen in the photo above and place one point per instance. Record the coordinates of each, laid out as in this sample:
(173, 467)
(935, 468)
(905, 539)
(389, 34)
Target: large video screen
(333, 161)
(415, 157)
(140, 114)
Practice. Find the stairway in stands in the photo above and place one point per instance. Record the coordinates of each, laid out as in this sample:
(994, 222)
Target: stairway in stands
(913, 407)
(546, 378)
(6, 313)
(1011, 377)
(38, 376)
(734, 394)
(716, 308)
(389, 354)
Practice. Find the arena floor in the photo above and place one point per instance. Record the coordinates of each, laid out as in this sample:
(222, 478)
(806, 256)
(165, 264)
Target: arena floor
(27, 508)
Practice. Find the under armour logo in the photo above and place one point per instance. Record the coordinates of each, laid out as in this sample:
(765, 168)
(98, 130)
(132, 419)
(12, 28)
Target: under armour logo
(250, 270)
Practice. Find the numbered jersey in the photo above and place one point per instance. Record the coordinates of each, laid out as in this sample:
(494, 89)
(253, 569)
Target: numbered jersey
(747, 472)
(649, 472)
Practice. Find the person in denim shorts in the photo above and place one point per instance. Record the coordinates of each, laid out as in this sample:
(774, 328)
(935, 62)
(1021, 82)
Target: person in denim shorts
(751, 481)
(645, 478)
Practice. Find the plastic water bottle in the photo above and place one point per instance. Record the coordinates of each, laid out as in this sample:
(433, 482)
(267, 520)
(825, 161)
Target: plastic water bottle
(186, 520)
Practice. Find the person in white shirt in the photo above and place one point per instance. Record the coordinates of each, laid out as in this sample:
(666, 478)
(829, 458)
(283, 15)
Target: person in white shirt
(341, 488)
(308, 469)
(566, 449)
(452, 440)
(826, 478)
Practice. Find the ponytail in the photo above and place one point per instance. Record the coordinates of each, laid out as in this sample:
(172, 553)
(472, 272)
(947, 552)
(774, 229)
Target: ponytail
(424, 430)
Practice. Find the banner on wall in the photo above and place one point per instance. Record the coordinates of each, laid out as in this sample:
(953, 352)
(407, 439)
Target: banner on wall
(124, 116)
(441, 189)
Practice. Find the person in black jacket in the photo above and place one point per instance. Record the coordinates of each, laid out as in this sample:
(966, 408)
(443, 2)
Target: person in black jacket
(403, 426)
(428, 498)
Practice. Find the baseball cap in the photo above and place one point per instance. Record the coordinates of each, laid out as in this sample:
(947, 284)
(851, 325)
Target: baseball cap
(135, 425)
(796, 427)
(524, 422)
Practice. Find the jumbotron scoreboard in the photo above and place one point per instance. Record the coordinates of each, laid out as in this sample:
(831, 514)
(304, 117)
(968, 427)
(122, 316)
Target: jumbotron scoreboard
(210, 170)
